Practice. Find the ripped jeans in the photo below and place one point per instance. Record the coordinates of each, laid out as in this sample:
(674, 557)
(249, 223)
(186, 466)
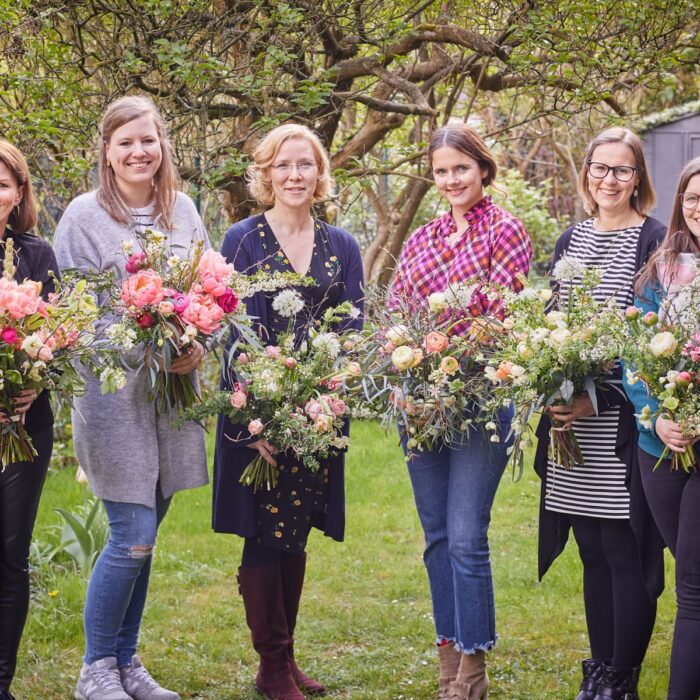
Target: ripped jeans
(454, 490)
(118, 585)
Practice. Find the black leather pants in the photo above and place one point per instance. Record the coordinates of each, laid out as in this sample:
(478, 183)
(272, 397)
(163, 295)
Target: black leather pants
(20, 490)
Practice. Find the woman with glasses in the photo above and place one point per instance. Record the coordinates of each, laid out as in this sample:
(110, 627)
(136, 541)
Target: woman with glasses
(674, 496)
(601, 500)
(290, 172)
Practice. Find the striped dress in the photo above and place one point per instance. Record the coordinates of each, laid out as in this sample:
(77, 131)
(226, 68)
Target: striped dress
(597, 488)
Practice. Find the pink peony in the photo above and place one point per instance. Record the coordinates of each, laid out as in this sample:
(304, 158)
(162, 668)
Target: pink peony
(228, 301)
(313, 409)
(202, 312)
(243, 358)
(290, 363)
(214, 273)
(136, 262)
(20, 300)
(338, 407)
(142, 289)
(239, 399)
(255, 427)
(273, 351)
(9, 335)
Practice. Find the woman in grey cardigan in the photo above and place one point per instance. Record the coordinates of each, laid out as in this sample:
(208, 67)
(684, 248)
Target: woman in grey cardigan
(133, 457)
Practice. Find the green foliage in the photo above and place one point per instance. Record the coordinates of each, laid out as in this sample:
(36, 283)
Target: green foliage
(528, 202)
(84, 534)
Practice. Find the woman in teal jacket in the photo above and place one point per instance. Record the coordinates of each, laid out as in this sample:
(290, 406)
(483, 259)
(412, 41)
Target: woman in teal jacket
(674, 496)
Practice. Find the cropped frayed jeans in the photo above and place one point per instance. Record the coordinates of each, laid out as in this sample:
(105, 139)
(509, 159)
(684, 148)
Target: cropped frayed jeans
(454, 489)
(118, 585)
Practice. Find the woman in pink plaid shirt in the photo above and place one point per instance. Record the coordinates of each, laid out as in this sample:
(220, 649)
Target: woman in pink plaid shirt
(454, 487)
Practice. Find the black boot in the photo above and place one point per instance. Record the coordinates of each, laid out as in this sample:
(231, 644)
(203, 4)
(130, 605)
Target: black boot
(592, 675)
(619, 683)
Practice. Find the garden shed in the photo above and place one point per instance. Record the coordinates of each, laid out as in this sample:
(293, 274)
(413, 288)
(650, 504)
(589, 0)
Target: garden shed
(672, 138)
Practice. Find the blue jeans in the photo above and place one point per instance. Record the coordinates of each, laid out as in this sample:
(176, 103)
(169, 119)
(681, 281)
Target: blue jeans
(454, 490)
(118, 585)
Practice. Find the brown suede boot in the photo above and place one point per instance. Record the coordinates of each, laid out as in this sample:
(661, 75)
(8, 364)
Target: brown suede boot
(472, 682)
(449, 659)
(261, 588)
(293, 572)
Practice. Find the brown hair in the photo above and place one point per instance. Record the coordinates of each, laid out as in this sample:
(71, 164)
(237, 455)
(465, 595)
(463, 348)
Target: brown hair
(645, 198)
(678, 238)
(23, 216)
(464, 139)
(166, 180)
(266, 151)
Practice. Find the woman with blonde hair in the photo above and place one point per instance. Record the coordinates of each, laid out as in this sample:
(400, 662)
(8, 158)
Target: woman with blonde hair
(21, 483)
(290, 172)
(601, 500)
(135, 460)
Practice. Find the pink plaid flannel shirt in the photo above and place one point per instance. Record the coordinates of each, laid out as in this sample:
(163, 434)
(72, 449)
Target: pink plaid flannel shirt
(495, 248)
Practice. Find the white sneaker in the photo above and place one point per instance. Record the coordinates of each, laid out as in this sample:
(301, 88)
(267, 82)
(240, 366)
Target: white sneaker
(138, 682)
(100, 681)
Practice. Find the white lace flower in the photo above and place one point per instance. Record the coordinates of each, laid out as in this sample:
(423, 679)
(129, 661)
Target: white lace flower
(459, 296)
(568, 269)
(121, 335)
(288, 303)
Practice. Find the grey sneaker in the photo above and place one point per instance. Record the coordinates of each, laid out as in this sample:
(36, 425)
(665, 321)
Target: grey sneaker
(100, 681)
(137, 681)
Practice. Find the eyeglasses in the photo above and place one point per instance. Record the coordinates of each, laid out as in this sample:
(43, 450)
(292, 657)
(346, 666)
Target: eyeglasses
(622, 173)
(689, 200)
(303, 166)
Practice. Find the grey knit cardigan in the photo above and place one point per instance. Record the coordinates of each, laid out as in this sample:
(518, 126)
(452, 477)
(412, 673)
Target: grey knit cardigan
(125, 447)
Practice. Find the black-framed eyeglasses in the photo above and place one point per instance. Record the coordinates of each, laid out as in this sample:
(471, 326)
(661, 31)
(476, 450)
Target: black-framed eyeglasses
(622, 173)
(689, 200)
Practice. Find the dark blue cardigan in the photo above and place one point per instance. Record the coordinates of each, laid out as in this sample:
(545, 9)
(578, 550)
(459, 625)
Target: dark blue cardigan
(233, 508)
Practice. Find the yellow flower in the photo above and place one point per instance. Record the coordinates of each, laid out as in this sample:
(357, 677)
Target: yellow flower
(53, 594)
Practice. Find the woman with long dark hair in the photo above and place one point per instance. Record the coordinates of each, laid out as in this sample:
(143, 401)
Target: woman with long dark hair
(135, 460)
(290, 172)
(21, 483)
(454, 486)
(674, 496)
(600, 500)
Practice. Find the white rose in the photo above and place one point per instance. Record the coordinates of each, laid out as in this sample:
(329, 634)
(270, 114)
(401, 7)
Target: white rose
(559, 336)
(508, 323)
(436, 302)
(545, 294)
(402, 358)
(539, 335)
(663, 344)
(554, 316)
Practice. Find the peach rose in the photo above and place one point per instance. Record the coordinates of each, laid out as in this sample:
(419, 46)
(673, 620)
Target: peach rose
(436, 342)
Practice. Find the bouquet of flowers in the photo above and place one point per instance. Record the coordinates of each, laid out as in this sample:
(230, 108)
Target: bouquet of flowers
(548, 356)
(290, 393)
(663, 351)
(39, 341)
(167, 302)
(418, 372)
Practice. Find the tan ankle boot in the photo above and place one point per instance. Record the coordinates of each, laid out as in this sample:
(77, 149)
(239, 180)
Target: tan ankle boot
(449, 663)
(472, 682)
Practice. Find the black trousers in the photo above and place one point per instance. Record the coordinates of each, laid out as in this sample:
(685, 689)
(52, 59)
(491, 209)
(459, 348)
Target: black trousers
(674, 499)
(619, 612)
(20, 490)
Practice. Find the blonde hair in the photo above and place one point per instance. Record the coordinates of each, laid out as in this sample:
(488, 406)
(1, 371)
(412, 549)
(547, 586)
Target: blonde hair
(166, 180)
(23, 216)
(645, 198)
(264, 154)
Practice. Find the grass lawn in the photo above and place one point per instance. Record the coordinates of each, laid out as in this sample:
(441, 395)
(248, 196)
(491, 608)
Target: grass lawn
(365, 626)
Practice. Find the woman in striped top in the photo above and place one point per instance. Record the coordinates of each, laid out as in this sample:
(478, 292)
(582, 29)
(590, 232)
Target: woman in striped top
(596, 499)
